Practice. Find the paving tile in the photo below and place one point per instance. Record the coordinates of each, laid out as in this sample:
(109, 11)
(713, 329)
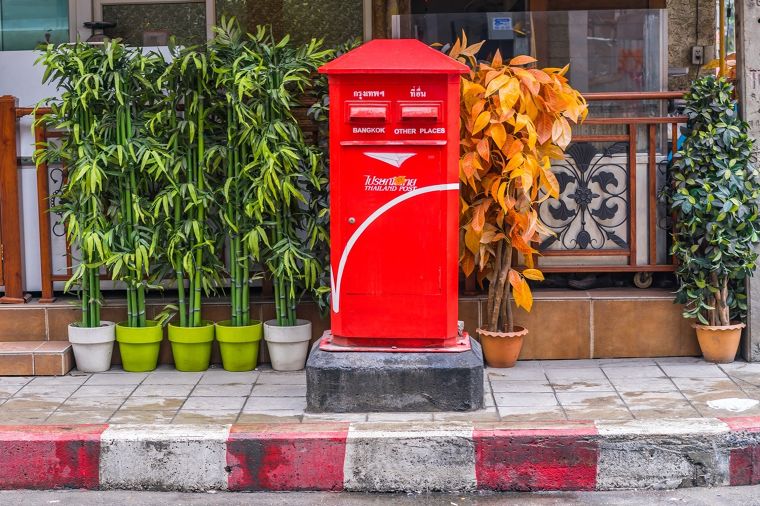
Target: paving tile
(590, 399)
(79, 417)
(32, 404)
(280, 416)
(235, 390)
(693, 371)
(173, 378)
(59, 380)
(652, 399)
(163, 390)
(587, 373)
(550, 365)
(140, 417)
(708, 411)
(15, 380)
(17, 364)
(278, 391)
(643, 385)
(125, 378)
(11, 417)
(481, 415)
(537, 400)
(748, 379)
(646, 371)
(712, 395)
(256, 404)
(680, 360)
(8, 390)
(282, 378)
(216, 403)
(103, 390)
(153, 403)
(521, 386)
(626, 362)
(201, 416)
(526, 413)
(704, 384)
(612, 413)
(741, 368)
(680, 411)
(93, 403)
(42, 391)
(333, 417)
(517, 374)
(400, 417)
(583, 386)
(217, 377)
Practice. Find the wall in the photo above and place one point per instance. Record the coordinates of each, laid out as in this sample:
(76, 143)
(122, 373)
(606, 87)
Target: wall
(690, 23)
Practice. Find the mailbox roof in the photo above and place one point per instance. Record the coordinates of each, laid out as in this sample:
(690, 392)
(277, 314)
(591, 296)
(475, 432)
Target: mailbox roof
(394, 56)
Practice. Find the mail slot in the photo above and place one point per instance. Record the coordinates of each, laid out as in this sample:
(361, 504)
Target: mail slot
(394, 183)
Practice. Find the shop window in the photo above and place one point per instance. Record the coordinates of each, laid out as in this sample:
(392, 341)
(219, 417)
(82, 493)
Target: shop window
(24, 24)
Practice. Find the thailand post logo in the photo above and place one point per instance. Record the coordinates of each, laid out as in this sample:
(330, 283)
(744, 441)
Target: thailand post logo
(389, 184)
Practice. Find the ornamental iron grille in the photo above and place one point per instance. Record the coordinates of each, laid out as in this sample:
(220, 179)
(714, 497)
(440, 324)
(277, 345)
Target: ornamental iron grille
(593, 206)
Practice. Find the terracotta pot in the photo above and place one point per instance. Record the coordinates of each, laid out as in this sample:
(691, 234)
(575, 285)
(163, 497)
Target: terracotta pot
(501, 349)
(719, 343)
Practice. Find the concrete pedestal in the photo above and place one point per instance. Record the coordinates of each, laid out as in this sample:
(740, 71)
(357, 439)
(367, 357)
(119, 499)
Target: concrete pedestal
(347, 382)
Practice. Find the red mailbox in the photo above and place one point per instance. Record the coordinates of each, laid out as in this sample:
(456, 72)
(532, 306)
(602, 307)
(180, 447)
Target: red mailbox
(394, 202)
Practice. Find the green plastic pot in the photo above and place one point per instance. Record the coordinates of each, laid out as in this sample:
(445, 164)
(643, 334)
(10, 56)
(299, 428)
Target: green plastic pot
(191, 346)
(139, 346)
(239, 346)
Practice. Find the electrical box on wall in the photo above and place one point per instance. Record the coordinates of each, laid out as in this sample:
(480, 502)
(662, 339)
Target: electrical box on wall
(698, 55)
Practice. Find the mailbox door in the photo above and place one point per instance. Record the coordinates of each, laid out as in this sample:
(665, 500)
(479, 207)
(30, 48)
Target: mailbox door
(391, 241)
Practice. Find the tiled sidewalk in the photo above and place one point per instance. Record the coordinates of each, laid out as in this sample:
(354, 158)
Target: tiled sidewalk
(617, 389)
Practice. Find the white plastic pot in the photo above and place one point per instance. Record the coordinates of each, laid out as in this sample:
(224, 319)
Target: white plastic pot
(93, 346)
(288, 346)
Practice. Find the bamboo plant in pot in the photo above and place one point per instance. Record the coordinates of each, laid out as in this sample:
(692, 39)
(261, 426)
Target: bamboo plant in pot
(136, 161)
(287, 177)
(714, 197)
(185, 204)
(515, 119)
(77, 72)
(236, 69)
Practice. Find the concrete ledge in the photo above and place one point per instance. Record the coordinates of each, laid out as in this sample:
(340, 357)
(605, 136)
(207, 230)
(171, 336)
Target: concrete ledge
(370, 457)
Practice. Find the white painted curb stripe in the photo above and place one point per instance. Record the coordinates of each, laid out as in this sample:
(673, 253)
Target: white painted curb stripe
(413, 460)
(662, 427)
(170, 457)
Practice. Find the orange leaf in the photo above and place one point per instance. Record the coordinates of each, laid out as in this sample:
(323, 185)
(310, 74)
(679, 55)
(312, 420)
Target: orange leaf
(496, 84)
(523, 297)
(533, 274)
(544, 128)
(498, 134)
(468, 263)
(472, 240)
(484, 149)
(550, 182)
(522, 59)
(483, 119)
(514, 148)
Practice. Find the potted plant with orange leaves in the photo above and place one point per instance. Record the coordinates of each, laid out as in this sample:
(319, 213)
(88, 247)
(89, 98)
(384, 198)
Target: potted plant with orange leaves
(515, 119)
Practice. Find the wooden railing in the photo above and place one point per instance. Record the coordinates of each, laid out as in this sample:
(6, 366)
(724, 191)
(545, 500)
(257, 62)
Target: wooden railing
(581, 197)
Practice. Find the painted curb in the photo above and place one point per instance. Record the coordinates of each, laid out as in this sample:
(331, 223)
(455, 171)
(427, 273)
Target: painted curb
(385, 457)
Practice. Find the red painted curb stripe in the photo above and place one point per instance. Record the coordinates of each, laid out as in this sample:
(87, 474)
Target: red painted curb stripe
(45, 457)
(525, 460)
(286, 458)
(742, 423)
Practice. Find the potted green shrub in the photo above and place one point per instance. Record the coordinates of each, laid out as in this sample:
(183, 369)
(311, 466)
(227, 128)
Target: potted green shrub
(515, 120)
(185, 203)
(714, 199)
(236, 69)
(136, 160)
(288, 182)
(77, 72)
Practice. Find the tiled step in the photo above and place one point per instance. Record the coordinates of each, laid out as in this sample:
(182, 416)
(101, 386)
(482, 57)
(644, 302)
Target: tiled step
(35, 358)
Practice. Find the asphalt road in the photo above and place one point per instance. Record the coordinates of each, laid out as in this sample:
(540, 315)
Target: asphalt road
(744, 496)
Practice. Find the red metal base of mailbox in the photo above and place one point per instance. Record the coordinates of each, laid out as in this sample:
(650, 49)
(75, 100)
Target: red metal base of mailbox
(329, 342)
